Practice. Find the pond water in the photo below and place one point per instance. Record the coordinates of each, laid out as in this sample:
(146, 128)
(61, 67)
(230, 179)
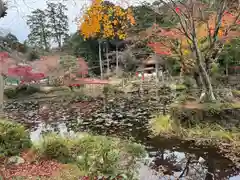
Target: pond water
(128, 118)
(166, 158)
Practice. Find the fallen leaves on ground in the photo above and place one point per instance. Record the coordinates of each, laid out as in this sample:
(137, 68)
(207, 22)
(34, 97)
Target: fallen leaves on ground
(45, 168)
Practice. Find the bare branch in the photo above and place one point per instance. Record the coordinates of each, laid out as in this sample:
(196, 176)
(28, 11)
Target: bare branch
(179, 17)
(221, 11)
(212, 53)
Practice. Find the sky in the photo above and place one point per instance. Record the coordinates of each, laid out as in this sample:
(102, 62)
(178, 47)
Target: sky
(15, 21)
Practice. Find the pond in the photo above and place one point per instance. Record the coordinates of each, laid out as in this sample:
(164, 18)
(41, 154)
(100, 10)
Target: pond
(166, 158)
(128, 119)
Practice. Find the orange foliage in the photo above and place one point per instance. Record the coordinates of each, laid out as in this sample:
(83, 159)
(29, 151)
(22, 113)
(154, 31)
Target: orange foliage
(105, 21)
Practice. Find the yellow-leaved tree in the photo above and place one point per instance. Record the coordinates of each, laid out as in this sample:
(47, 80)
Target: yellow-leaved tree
(104, 20)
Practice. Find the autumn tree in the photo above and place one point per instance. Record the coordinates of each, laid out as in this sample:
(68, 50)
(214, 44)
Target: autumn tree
(104, 20)
(39, 29)
(25, 73)
(203, 30)
(57, 21)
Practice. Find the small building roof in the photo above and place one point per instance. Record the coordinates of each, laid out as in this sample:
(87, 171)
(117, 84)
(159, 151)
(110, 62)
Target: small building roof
(152, 59)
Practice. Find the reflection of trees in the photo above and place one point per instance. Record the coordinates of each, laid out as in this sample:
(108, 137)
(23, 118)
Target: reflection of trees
(165, 164)
(189, 166)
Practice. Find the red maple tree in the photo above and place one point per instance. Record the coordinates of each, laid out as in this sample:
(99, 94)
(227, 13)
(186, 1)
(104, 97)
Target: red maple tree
(24, 72)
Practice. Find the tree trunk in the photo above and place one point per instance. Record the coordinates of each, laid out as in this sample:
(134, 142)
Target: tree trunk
(59, 44)
(44, 38)
(117, 63)
(203, 73)
(198, 80)
(108, 64)
(227, 68)
(208, 65)
(157, 79)
(59, 40)
(100, 58)
(207, 83)
(1, 93)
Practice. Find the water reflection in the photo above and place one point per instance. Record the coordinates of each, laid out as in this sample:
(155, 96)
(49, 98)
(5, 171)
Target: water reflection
(166, 159)
(44, 128)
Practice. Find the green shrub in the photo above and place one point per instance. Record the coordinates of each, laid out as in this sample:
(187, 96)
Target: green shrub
(32, 89)
(27, 89)
(104, 155)
(33, 55)
(10, 93)
(22, 90)
(55, 147)
(96, 155)
(180, 87)
(188, 82)
(13, 138)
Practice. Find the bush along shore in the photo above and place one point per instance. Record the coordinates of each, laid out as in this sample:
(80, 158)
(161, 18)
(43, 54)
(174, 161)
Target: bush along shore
(57, 157)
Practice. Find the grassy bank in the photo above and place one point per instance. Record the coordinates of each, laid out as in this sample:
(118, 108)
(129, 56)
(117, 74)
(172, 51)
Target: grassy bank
(163, 125)
(226, 142)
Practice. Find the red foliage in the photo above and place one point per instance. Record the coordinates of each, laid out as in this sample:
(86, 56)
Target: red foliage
(19, 71)
(177, 9)
(3, 56)
(167, 35)
(3, 61)
(25, 73)
(83, 67)
(226, 13)
(160, 49)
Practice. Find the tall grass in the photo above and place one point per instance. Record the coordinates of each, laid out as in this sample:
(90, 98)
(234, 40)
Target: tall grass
(163, 125)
